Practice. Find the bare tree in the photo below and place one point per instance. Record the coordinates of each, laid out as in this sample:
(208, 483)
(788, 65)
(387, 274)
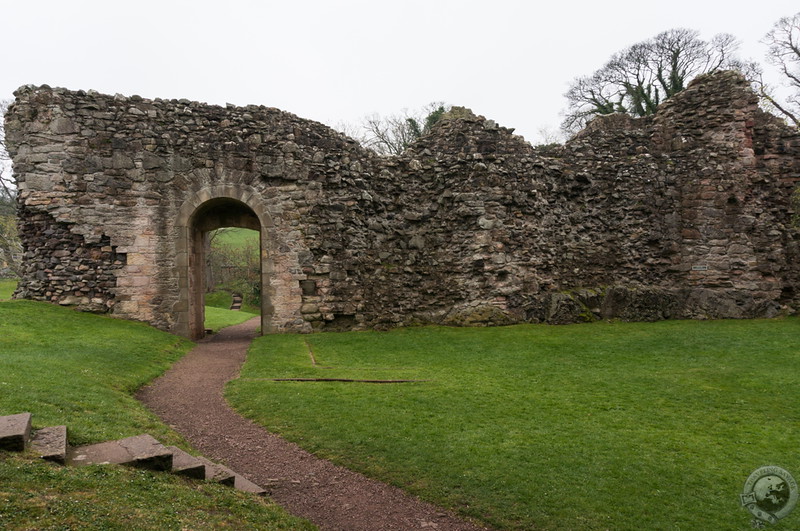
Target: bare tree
(391, 135)
(354, 131)
(784, 53)
(636, 80)
(547, 135)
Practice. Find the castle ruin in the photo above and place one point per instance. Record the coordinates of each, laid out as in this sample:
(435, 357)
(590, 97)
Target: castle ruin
(686, 214)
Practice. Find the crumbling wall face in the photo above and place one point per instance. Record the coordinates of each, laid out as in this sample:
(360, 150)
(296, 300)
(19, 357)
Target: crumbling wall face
(687, 214)
(736, 231)
(62, 267)
(684, 215)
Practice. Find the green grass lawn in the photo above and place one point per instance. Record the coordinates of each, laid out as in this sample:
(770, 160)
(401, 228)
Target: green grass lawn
(7, 287)
(222, 299)
(218, 315)
(217, 318)
(79, 369)
(39, 495)
(238, 237)
(593, 426)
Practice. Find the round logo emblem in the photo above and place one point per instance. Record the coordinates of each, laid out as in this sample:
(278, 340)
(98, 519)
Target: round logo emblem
(770, 493)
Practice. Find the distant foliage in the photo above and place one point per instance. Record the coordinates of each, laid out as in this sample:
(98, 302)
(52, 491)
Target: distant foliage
(234, 263)
(10, 247)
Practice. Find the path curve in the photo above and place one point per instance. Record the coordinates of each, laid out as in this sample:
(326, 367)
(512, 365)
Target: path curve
(189, 398)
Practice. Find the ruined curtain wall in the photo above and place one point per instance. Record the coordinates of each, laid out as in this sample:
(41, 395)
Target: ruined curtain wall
(686, 214)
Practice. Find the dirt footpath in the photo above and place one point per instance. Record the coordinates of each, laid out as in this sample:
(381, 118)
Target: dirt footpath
(189, 398)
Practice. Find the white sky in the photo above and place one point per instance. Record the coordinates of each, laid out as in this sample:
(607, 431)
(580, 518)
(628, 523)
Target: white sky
(340, 60)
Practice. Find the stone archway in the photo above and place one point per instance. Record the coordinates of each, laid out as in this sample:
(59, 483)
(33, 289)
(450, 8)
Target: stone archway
(209, 209)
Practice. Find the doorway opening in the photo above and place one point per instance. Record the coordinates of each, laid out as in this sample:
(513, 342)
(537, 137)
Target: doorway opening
(233, 274)
(224, 217)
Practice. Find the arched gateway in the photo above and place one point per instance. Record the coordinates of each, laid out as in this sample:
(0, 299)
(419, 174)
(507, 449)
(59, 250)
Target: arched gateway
(210, 209)
(116, 195)
(687, 214)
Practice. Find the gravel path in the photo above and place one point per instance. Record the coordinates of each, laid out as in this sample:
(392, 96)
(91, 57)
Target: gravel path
(189, 398)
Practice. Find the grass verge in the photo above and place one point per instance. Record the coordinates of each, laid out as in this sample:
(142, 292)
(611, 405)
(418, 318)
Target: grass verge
(79, 369)
(594, 426)
(39, 495)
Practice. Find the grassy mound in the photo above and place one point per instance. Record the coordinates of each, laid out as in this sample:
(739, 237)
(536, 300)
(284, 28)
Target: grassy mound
(222, 299)
(596, 426)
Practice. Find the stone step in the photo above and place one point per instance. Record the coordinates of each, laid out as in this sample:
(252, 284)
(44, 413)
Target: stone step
(51, 443)
(15, 432)
(244, 484)
(186, 464)
(226, 476)
(218, 473)
(142, 450)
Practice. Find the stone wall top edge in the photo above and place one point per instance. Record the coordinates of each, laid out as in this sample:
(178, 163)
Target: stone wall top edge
(26, 91)
(62, 91)
(725, 86)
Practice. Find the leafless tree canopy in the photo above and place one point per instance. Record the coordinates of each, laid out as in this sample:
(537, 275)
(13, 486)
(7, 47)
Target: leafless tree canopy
(784, 53)
(391, 135)
(637, 79)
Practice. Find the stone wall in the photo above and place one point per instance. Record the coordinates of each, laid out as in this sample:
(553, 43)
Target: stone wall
(686, 214)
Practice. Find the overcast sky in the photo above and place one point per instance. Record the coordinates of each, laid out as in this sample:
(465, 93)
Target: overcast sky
(340, 60)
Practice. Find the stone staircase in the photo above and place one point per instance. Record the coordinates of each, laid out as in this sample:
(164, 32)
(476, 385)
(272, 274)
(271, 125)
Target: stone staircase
(142, 451)
(236, 303)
